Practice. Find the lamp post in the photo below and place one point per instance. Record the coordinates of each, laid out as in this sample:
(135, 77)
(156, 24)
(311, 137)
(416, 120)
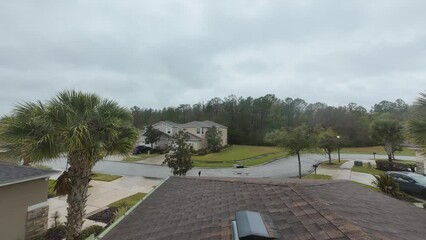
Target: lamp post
(338, 147)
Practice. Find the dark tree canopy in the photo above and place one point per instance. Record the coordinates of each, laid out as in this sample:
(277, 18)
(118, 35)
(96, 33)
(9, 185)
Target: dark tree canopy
(249, 119)
(214, 139)
(179, 156)
(152, 135)
(293, 140)
(388, 132)
(328, 141)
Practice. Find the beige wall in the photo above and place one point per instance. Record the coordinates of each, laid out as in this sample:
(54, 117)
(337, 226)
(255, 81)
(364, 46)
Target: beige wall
(14, 202)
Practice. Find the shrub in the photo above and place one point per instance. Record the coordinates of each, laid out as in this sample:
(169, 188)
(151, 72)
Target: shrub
(387, 184)
(358, 163)
(385, 165)
(55, 233)
(94, 229)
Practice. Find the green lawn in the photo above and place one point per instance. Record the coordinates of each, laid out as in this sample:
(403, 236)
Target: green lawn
(376, 189)
(51, 186)
(377, 150)
(334, 164)
(128, 202)
(239, 154)
(365, 169)
(316, 176)
(135, 158)
(104, 177)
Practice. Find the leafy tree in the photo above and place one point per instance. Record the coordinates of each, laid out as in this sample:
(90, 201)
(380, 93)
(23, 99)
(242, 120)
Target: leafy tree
(328, 141)
(84, 126)
(293, 140)
(179, 156)
(387, 132)
(416, 125)
(152, 135)
(214, 139)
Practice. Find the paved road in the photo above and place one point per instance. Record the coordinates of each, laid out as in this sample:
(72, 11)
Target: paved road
(282, 168)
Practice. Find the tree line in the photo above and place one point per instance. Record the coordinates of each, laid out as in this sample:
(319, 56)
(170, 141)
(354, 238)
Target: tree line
(249, 119)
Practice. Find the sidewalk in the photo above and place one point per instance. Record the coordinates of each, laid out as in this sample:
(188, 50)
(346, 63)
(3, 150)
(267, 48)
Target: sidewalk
(101, 194)
(345, 173)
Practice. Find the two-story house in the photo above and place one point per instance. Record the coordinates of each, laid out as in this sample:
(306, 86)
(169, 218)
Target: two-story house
(196, 129)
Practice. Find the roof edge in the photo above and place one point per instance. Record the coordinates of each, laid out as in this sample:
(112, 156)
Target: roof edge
(114, 224)
(28, 179)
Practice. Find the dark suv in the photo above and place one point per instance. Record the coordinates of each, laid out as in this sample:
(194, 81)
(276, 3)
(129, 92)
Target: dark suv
(410, 182)
(141, 149)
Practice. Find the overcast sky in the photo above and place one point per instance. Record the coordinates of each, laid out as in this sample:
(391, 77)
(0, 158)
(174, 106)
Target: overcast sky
(165, 53)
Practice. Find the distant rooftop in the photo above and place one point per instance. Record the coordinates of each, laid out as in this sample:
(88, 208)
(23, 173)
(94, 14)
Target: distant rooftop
(12, 173)
(203, 208)
(195, 124)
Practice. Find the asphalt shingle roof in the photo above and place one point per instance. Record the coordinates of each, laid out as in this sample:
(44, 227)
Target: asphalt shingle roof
(202, 208)
(12, 173)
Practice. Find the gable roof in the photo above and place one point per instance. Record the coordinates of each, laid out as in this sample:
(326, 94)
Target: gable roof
(202, 208)
(12, 173)
(206, 124)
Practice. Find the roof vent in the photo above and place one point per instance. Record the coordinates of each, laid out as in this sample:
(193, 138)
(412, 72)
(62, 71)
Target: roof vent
(249, 226)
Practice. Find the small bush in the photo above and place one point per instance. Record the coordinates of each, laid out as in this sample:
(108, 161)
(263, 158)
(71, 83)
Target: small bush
(94, 229)
(385, 165)
(387, 184)
(358, 163)
(55, 233)
(202, 152)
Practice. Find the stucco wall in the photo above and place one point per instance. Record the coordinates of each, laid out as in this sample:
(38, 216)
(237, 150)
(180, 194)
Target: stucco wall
(14, 202)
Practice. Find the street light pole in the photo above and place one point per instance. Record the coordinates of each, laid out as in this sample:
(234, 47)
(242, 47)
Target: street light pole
(338, 147)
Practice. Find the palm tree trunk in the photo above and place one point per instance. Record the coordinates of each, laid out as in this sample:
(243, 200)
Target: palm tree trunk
(79, 174)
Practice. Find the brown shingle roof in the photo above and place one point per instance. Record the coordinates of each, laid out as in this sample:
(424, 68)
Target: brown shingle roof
(202, 208)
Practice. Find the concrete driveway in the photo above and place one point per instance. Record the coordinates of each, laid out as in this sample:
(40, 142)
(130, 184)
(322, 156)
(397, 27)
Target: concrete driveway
(101, 194)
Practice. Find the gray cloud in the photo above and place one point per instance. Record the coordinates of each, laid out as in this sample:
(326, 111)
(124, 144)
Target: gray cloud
(162, 53)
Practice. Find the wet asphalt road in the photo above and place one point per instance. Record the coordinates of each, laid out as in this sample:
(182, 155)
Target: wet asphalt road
(282, 168)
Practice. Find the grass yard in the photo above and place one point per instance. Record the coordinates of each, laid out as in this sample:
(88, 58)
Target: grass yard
(377, 150)
(135, 158)
(365, 169)
(51, 186)
(104, 177)
(334, 164)
(376, 189)
(128, 202)
(239, 154)
(316, 176)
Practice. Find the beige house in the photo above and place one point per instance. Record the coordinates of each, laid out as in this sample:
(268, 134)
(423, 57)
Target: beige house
(196, 129)
(23, 201)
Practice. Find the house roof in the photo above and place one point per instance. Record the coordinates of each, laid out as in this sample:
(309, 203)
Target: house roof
(202, 208)
(193, 124)
(206, 124)
(12, 173)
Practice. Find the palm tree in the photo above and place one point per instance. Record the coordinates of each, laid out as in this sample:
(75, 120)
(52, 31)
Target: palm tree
(416, 125)
(83, 126)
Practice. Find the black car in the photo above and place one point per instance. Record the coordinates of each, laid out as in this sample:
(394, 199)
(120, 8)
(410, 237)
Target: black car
(141, 149)
(410, 182)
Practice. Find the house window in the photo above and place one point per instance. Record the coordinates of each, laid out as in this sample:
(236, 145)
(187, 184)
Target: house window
(202, 130)
(198, 130)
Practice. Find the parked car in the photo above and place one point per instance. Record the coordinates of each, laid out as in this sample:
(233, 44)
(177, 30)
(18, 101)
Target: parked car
(141, 149)
(410, 182)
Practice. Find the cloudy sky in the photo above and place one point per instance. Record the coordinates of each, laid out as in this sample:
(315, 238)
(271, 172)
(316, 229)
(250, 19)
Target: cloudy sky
(166, 53)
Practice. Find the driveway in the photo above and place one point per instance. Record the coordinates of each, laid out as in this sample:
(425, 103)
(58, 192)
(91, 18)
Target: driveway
(101, 194)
